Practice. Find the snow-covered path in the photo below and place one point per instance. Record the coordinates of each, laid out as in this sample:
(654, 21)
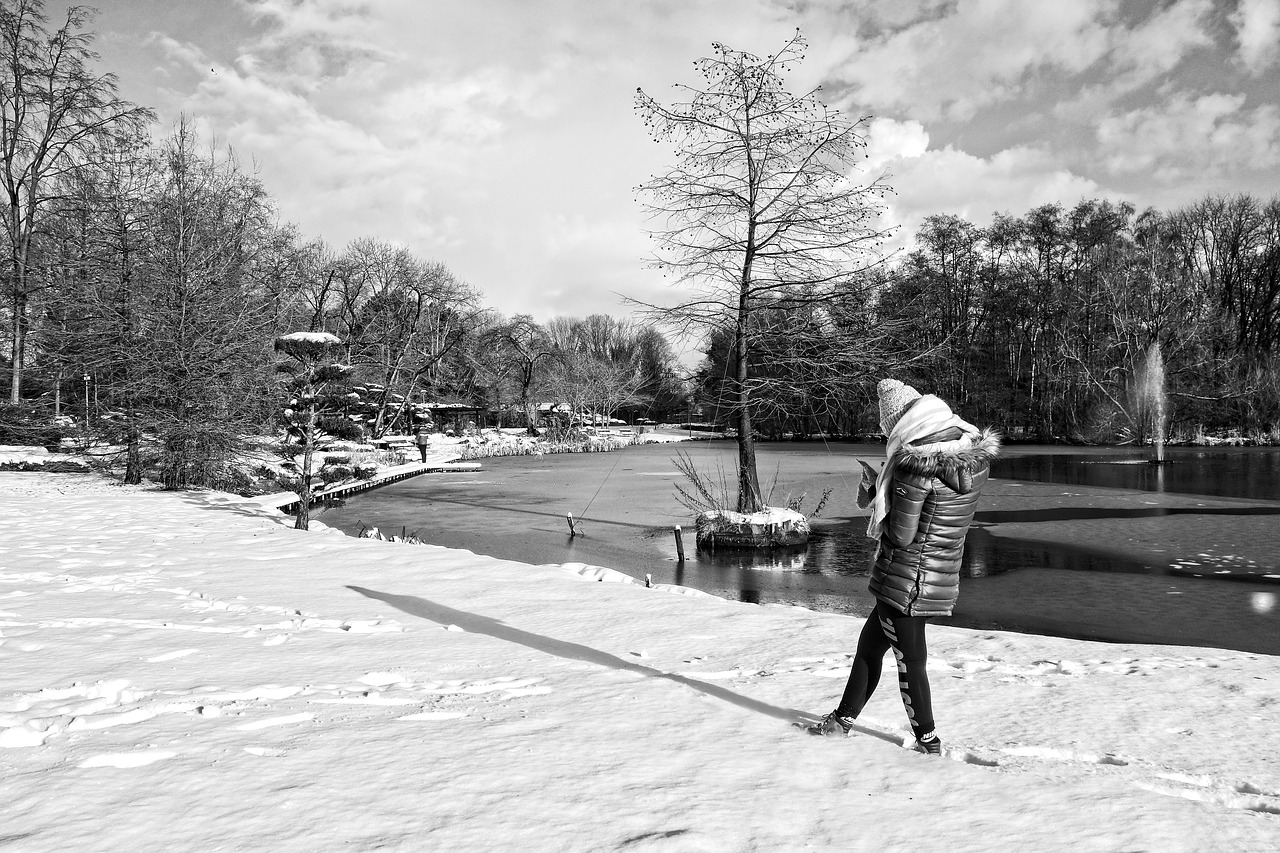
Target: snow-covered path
(184, 671)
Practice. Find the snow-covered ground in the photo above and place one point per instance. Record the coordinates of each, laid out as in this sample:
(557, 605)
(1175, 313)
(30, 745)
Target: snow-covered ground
(186, 672)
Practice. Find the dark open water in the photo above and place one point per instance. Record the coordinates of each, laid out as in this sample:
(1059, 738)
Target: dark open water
(625, 508)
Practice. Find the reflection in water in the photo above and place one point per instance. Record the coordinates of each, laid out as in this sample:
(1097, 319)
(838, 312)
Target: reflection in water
(773, 560)
(844, 550)
(1250, 473)
(1016, 585)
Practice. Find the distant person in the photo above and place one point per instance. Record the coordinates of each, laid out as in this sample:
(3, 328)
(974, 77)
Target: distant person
(421, 439)
(921, 504)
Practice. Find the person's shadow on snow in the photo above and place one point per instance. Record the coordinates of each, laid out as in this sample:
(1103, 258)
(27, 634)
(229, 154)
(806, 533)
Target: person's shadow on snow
(475, 624)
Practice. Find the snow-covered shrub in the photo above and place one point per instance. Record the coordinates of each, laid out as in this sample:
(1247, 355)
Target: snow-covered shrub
(337, 473)
(235, 480)
(264, 472)
(769, 528)
(381, 457)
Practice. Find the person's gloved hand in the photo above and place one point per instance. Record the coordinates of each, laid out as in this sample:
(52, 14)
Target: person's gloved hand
(867, 485)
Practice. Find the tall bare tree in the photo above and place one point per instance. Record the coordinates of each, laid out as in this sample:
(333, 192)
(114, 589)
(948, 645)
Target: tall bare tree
(525, 346)
(401, 319)
(761, 208)
(52, 108)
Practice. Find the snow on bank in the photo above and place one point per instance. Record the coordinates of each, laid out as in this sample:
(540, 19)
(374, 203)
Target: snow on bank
(184, 671)
(40, 459)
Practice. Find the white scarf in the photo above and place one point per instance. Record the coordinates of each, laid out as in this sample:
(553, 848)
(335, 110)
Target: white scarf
(925, 417)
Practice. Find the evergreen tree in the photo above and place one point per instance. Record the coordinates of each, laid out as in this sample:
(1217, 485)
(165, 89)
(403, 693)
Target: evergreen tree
(318, 398)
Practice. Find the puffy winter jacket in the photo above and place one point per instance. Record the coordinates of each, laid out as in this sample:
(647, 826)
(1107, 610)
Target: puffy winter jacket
(932, 498)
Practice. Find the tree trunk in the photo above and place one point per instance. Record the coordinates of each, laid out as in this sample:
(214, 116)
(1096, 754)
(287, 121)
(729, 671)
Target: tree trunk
(133, 455)
(380, 420)
(530, 411)
(748, 479)
(303, 520)
(18, 342)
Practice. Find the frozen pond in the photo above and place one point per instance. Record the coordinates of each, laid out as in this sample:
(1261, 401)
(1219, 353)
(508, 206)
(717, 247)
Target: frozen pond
(1069, 542)
(1241, 472)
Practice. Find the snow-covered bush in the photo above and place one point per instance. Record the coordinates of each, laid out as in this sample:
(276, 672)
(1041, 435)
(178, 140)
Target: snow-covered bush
(337, 473)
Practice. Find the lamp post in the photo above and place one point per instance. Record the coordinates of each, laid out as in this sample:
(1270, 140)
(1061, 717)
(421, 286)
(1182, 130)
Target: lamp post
(86, 410)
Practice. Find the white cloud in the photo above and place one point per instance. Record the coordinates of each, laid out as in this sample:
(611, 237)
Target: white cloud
(983, 52)
(1159, 43)
(1137, 57)
(928, 181)
(336, 175)
(1210, 135)
(1257, 24)
(889, 140)
(316, 45)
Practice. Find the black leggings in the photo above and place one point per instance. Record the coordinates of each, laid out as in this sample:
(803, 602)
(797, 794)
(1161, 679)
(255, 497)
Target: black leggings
(886, 629)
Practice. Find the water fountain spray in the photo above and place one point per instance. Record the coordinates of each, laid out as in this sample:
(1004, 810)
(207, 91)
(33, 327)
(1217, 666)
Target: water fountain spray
(1151, 388)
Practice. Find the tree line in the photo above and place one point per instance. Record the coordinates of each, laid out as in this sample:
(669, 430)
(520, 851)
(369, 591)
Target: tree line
(145, 281)
(1043, 324)
(1046, 321)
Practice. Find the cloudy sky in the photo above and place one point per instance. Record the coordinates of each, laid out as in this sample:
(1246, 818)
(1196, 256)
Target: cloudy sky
(499, 137)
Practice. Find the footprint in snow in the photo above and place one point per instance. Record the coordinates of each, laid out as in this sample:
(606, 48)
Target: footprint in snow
(167, 656)
(128, 759)
(1198, 787)
(1204, 789)
(270, 722)
(1055, 754)
(433, 716)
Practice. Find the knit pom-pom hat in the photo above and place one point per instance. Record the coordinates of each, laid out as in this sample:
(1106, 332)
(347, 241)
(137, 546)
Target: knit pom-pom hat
(895, 398)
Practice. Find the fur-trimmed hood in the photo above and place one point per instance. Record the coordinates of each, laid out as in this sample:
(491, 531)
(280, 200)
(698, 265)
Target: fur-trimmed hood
(952, 462)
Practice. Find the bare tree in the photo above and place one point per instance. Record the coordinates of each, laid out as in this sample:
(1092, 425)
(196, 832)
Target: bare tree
(525, 346)
(590, 385)
(760, 208)
(52, 108)
(402, 318)
(1229, 245)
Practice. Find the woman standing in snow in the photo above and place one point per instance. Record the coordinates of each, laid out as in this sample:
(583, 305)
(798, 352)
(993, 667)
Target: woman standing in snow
(921, 507)
(423, 441)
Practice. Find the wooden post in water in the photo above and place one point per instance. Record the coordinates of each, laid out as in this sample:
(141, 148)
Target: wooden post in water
(679, 544)
(572, 532)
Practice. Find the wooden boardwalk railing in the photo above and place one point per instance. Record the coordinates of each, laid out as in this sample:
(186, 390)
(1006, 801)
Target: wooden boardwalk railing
(287, 502)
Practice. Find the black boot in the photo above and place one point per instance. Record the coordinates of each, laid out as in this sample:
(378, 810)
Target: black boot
(834, 724)
(929, 744)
